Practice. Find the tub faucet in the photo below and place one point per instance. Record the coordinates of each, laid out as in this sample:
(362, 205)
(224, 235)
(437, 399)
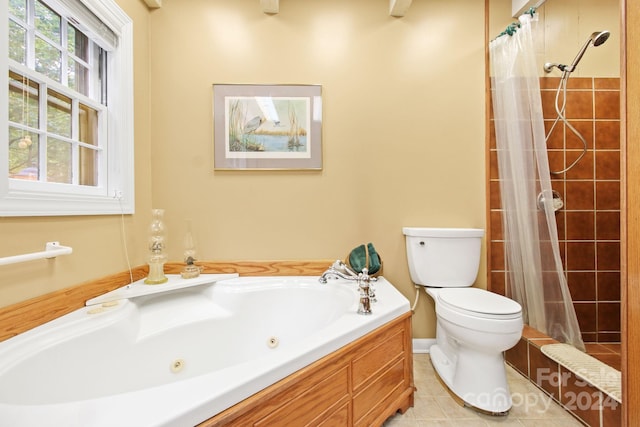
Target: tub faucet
(338, 270)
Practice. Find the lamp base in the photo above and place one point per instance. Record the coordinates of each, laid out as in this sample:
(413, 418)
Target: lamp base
(156, 274)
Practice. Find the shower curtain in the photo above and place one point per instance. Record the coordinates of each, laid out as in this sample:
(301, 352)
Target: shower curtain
(534, 268)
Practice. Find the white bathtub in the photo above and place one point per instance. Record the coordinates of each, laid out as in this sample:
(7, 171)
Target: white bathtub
(178, 358)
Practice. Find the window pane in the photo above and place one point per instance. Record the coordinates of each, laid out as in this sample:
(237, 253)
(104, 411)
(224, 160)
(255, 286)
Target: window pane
(18, 8)
(88, 166)
(47, 59)
(23, 104)
(99, 76)
(58, 114)
(33, 104)
(17, 43)
(47, 22)
(88, 133)
(78, 77)
(17, 113)
(88, 125)
(58, 161)
(77, 43)
(23, 154)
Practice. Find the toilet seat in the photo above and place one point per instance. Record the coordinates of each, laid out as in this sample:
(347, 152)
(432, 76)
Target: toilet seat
(479, 303)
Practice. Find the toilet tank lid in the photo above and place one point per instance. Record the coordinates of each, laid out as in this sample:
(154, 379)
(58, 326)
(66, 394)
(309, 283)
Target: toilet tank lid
(442, 232)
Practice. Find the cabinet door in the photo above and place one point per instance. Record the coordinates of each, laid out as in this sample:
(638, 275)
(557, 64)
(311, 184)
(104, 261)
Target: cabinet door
(313, 404)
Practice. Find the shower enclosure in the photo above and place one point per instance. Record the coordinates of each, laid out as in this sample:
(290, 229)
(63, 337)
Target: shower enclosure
(589, 221)
(595, 226)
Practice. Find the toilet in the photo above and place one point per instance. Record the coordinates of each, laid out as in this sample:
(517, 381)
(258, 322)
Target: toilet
(474, 326)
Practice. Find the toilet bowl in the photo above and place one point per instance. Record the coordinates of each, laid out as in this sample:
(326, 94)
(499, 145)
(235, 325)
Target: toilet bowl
(474, 326)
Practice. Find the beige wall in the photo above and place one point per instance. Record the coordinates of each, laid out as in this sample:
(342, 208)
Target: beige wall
(403, 131)
(568, 24)
(565, 27)
(96, 240)
(403, 139)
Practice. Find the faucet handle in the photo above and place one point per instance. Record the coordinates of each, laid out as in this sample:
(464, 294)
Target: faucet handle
(337, 264)
(364, 276)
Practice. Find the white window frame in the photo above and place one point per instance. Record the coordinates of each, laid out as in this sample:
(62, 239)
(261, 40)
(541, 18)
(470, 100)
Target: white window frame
(113, 195)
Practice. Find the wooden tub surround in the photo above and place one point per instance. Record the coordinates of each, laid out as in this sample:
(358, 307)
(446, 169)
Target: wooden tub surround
(361, 384)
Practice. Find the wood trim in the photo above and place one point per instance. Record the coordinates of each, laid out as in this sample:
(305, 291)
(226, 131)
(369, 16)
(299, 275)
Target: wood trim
(630, 208)
(21, 317)
(487, 147)
(258, 268)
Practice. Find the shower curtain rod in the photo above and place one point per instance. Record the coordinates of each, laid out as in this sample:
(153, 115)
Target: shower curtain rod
(513, 27)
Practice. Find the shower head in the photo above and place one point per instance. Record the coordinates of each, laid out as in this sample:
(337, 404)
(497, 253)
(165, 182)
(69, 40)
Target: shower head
(597, 38)
(600, 37)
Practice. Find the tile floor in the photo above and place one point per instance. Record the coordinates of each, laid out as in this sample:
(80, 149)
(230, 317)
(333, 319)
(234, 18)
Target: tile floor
(435, 407)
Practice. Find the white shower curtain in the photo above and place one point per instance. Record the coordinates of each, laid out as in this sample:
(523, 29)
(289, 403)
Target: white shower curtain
(534, 267)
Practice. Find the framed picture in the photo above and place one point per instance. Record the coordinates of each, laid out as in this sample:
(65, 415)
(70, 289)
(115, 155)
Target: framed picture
(267, 127)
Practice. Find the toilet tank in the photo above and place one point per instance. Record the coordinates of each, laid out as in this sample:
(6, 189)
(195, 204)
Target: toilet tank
(443, 257)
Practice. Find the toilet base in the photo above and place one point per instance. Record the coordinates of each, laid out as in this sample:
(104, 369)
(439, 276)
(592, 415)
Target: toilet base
(462, 403)
(477, 380)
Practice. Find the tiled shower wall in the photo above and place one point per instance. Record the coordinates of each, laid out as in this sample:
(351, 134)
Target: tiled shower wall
(589, 222)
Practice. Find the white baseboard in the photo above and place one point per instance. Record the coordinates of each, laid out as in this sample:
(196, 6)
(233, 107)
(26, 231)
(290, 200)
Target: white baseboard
(422, 345)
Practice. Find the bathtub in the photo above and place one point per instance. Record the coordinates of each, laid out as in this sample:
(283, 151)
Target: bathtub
(180, 357)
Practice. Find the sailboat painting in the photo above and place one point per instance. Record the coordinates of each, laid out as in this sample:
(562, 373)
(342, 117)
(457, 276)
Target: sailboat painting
(267, 127)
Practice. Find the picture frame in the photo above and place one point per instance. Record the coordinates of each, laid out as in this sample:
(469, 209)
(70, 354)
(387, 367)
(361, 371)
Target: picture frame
(267, 127)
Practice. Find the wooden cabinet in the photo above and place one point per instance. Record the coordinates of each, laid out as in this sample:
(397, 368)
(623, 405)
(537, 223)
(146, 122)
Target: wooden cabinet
(362, 384)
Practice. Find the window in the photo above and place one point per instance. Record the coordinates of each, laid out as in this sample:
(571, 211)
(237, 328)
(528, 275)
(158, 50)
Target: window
(68, 86)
